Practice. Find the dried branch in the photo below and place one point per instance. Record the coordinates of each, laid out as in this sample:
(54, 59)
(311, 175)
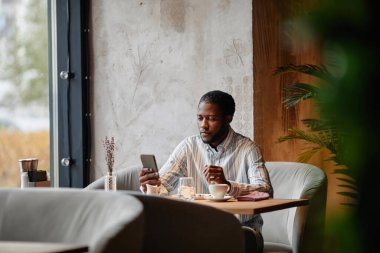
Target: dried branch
(109, 146)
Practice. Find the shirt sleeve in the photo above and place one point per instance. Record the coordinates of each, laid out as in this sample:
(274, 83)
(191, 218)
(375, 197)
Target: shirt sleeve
(257, 173)
(174, 168)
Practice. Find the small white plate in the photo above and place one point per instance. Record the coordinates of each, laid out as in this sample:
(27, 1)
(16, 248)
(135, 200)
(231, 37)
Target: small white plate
(201, 196)
(211, 198)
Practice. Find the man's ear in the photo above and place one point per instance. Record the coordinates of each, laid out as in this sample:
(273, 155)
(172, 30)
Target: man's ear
(229, 118)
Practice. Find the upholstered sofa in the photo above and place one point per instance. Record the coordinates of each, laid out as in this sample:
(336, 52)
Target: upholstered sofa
(103, 221)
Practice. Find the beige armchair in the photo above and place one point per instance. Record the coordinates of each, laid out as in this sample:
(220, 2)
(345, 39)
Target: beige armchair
(296, 229)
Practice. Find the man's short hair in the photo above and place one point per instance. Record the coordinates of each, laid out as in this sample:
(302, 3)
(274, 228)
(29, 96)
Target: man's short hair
(224, 100)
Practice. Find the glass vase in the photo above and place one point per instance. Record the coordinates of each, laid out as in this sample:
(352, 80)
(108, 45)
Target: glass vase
(110, 182)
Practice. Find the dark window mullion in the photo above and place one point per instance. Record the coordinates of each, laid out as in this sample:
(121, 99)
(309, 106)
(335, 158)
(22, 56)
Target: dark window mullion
(73, 107)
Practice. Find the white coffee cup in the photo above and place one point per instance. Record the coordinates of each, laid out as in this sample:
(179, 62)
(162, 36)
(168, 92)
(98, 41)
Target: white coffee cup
(152, 189)
(218, 190)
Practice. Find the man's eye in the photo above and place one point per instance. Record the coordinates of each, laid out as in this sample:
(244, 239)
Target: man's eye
(212, 118)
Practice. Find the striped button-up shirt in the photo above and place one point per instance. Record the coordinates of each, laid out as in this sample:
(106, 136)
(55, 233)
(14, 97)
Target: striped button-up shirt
(240, 158)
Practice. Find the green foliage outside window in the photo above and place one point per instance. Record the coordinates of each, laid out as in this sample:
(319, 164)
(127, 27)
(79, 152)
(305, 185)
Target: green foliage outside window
(26, 58)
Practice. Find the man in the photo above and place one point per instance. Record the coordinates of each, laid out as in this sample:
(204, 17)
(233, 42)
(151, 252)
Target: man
(216, 154)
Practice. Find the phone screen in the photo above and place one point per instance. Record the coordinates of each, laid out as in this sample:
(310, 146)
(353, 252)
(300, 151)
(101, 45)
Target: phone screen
(149, 162)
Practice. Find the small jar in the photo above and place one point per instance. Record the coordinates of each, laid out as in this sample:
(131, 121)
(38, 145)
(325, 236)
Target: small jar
(110, 182)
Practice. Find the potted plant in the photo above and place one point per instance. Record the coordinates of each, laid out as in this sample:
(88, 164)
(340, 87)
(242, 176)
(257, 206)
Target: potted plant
(321, 134)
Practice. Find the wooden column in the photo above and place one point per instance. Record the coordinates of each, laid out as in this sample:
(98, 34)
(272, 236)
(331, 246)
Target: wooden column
(275, 43)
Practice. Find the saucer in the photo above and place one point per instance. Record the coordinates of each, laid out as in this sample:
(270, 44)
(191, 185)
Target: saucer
(211, 198)
(200, 196)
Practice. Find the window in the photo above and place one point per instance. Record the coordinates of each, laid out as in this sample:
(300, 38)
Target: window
(24, 103)
(39, 40)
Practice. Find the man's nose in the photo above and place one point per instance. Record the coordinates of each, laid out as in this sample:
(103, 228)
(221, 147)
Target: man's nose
(203, 123)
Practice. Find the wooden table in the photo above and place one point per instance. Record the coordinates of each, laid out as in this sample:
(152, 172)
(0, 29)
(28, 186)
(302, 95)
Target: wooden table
(254, 207)
(40, 247)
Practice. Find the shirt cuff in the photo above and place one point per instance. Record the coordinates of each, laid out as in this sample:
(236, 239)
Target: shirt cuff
(234, 189)
(163, 190)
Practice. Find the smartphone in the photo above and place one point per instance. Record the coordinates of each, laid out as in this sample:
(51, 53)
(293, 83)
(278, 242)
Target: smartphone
(149, 162)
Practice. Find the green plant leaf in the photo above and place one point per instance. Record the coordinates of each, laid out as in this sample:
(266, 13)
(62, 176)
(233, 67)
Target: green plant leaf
(322, 134)
(318, 125)
(297, 92)
(349, 194)
(319, 71)
(306, 155)
(349, 204)
(347, 180)
(296, 133)
(353, 187)
(346, 172)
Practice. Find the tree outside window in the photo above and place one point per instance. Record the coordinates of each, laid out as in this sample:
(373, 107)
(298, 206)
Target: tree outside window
(24, 102)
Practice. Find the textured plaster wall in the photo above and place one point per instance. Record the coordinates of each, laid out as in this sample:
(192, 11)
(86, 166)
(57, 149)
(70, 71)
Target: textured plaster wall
(151, 62)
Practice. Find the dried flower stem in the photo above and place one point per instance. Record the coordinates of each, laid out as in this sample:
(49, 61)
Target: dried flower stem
(109, 146)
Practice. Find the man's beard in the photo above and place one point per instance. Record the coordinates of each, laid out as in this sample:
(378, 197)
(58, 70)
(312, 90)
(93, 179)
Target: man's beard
(218, 136)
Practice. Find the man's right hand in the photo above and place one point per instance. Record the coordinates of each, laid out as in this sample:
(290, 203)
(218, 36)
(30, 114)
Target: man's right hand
(147, 176)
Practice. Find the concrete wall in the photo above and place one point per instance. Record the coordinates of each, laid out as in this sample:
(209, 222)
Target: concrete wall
(151, 62)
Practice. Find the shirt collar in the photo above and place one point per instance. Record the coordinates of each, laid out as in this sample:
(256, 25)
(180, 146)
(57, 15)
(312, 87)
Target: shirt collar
(225, 143)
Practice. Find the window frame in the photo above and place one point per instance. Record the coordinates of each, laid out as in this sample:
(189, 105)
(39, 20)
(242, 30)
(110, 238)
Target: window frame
(69, 99)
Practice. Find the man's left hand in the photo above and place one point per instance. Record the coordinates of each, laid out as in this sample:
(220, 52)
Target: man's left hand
(214, 174)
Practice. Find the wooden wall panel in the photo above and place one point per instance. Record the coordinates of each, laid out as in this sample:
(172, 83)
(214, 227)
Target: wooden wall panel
(276, 43)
